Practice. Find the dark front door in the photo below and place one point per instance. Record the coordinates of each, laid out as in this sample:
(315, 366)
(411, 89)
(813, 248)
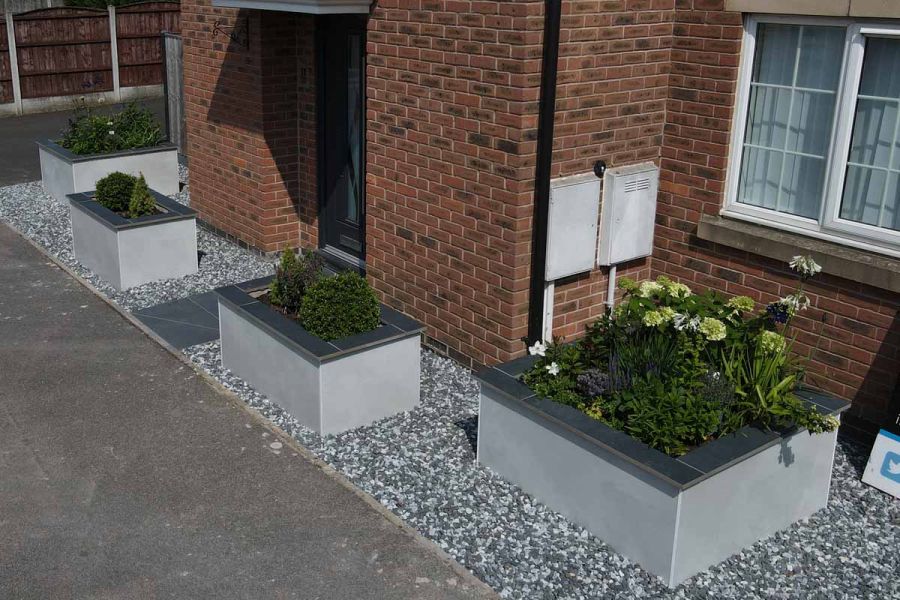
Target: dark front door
(342, 41)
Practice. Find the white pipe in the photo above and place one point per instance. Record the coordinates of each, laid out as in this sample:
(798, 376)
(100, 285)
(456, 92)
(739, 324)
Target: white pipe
(611, 287)
(547, 327)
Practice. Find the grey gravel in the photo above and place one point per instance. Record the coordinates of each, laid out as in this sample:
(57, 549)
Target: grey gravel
(46, 221)
(421, 465)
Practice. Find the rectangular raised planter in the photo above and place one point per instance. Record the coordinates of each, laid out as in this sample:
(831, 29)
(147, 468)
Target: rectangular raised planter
(131, 252)
(673, 516)
(64, 173)
(327, 386)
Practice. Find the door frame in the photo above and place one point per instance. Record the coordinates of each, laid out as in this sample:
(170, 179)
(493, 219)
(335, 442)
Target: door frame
(336, 256)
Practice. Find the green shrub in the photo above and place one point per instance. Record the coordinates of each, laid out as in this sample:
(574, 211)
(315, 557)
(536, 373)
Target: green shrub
(675, 369)
(339, 306)
(90, 133)
(142, 201)
(293, 276)
(114, 191)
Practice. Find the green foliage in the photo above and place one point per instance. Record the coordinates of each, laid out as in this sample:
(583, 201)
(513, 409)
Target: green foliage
(293, 276)
(91, 133)
(114, 191)
(141, 202)
(339, 306)
(675, 369)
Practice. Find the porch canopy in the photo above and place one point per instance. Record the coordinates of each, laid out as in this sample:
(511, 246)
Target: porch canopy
(312, 7)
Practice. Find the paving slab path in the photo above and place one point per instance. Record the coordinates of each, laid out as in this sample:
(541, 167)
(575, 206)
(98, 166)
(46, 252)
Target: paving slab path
(124, 474)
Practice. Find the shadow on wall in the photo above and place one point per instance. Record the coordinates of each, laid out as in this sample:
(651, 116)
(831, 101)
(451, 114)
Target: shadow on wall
(265, 94)
(882, 382)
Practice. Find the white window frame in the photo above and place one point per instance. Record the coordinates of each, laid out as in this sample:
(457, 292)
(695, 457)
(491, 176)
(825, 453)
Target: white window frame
(829, 225)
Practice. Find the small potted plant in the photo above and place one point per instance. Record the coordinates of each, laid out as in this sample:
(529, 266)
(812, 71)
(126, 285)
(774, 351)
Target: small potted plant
(129, 234)
(96, 145)
(322, 347)
(677, 430)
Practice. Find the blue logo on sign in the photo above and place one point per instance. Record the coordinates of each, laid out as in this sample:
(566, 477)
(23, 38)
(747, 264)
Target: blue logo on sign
(891, 467)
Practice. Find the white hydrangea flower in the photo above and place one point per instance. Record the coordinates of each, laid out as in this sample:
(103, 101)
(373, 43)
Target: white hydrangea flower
(538, 349)
(805, 265)
(682, 322)
(648, 288)
(553, 369)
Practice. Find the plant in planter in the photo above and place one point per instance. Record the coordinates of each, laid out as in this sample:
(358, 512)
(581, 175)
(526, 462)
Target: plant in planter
(680, 369)
(90, 133)
(677, 429)
(320, 346)
(94, 145)
(129, 234)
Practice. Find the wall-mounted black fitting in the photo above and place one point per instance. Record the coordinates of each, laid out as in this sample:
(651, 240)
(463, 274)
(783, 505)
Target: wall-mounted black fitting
(600, 168)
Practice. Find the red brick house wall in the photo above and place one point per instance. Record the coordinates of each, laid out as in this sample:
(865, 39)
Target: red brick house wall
(611, 99)
(452, 116)
(250, 112)
(452, 105)
(857, 357)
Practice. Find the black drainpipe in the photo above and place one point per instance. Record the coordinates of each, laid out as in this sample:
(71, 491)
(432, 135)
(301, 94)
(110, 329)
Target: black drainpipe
(552, 16)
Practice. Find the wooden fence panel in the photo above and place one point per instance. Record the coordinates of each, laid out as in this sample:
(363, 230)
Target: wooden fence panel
(63, 51)
(138, 28)
(6, 84)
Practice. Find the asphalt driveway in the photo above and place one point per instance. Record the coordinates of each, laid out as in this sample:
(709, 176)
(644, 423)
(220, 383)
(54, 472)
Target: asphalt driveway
(124, 474)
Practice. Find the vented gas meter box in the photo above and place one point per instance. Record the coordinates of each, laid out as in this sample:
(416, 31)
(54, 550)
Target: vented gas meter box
(628, 214)
(572, 225)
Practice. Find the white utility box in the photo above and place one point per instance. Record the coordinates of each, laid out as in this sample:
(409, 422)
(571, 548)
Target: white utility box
(629, 213)
(572, 225)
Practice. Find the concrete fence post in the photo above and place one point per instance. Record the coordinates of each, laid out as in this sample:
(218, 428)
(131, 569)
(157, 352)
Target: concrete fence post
(114, 52)
(13, 62)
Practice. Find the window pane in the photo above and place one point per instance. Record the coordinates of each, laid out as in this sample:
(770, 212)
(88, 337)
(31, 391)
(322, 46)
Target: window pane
(790, 118)
(821, 55)
(881, 69)
(870, 188)
(873, 132)
(760, 174)
(769, 112)
(863, 192)
(776, 48)
(812, 116)
(802, 185)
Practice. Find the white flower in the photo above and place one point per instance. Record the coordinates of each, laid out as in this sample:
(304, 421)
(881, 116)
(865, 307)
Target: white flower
(111, 132)
(553, 369)
(538, 349)
(795, 302)
(682, 322)
(648, 288)
(805, 265)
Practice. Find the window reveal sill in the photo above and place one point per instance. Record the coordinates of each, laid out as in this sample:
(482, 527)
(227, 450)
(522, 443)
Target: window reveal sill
(841, 261)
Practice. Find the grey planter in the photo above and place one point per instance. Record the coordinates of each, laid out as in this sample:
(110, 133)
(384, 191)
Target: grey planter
(131, 252)
(327, 386)
(674, 517)
(64, 173)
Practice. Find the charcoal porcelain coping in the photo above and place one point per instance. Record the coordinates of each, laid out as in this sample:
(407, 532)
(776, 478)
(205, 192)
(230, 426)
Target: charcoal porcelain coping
(682, 472)
(68, 155)
(174, 211)
(394, 325)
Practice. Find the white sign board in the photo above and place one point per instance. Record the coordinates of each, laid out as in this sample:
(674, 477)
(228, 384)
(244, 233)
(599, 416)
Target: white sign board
(883, 470)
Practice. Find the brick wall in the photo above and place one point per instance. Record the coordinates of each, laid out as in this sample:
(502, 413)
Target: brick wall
(452, 116)
(858, 354)
(611, 98)
(250, 114)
